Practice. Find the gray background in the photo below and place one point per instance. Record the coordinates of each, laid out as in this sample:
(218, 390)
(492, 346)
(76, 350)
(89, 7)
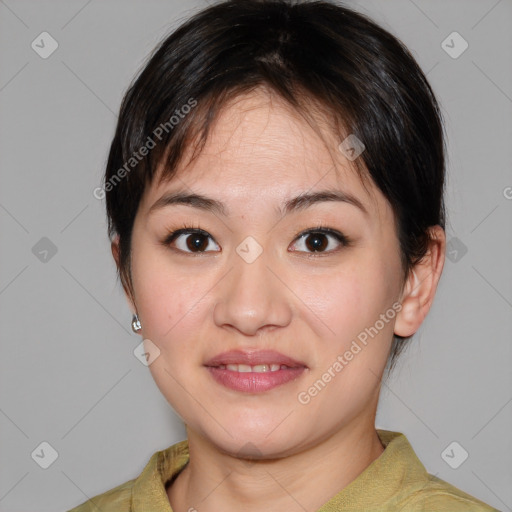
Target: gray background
(68, 375)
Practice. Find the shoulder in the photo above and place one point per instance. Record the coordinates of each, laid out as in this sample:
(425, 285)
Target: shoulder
(117, 499)
(146, 491)
(440, 496)
(410, 486)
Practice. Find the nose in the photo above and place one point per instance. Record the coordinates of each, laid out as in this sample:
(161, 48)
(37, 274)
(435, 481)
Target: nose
(253, 297)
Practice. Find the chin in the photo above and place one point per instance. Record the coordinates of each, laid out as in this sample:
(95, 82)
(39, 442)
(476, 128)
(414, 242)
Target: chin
(254, 443)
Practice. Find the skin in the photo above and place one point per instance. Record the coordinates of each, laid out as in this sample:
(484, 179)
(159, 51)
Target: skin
(194, 306)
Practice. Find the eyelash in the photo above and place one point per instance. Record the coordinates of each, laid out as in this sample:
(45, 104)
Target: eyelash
(190, 229)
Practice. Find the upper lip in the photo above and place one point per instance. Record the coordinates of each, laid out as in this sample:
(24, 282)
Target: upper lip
(253, 358)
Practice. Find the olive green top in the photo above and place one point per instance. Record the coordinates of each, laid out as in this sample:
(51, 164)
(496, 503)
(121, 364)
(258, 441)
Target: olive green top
(395, 481)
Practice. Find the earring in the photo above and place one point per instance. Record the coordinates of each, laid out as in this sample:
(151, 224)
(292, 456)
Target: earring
(136, 327)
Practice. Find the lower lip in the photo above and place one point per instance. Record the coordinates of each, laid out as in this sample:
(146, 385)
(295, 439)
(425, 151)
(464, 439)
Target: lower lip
(253, 382)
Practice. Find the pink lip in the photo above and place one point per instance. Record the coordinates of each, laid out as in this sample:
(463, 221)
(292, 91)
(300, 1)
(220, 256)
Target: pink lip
(254, 381)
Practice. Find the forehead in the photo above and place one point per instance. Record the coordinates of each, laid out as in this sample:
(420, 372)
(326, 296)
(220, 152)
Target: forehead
(259, 147)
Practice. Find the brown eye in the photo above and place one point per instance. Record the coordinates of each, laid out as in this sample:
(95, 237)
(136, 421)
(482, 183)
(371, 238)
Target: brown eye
(189, 240)
(196, 241)
(316, 242)
(320, 240)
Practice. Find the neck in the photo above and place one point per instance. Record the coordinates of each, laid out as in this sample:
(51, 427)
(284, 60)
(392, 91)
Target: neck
(214, 480)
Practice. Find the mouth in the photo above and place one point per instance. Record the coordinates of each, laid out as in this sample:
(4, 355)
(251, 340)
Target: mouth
(254, 371)
(258, 368)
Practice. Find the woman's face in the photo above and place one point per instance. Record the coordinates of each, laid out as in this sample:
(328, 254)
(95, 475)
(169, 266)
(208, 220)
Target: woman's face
(249, 286)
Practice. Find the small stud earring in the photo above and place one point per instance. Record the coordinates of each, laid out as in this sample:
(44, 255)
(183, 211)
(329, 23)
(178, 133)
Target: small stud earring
(136, 327)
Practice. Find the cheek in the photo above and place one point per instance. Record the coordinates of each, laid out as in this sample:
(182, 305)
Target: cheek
(348, 301)
(168, 300)
(339, 302)
(169, 303)
(340, 299)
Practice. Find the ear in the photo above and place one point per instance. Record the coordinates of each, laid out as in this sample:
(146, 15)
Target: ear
(421, 285)
(114, 246)
(115, 253)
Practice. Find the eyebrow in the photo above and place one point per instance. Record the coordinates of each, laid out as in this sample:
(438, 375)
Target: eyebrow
(298, 203)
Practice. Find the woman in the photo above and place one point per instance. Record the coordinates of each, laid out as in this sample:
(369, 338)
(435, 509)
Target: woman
(274, 193)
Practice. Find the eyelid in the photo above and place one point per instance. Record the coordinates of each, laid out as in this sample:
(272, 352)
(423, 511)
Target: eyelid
(186, 230)
(173, 234)
(341, 238)
(326, 231)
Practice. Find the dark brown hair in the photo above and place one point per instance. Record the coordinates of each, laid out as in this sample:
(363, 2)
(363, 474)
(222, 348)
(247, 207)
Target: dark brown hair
(318, 55)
